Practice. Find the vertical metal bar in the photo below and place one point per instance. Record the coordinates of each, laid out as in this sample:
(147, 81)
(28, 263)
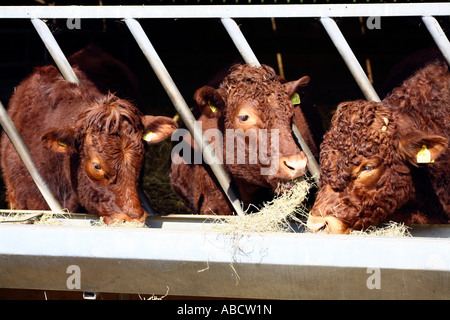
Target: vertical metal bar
(55, 51)
(183, 109)
(438, 35)
(313, 166)
(24, 153)
(240, 41)
(250, 58)
(349, 58)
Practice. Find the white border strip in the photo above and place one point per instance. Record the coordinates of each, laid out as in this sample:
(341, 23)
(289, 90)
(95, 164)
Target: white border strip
(228, 11)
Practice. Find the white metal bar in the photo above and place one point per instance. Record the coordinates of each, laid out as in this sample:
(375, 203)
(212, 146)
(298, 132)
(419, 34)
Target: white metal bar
(240, 42)
(313, 166)
(55, 51)
(183, 109)
(224, 265)
(24, 153)
(439, 36)
(350, 59)
(228, 11)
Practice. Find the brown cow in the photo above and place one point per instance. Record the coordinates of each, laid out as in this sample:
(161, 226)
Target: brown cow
(88, 146)
(389, 160)
(250, 102)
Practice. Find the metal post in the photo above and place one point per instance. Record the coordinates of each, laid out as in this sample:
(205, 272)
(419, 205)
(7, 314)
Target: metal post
(24, 153)
(349, 58)
(313, 166)
(240, 42)
(183, 109)
(250, 58)
(438, 35)
(55, 51)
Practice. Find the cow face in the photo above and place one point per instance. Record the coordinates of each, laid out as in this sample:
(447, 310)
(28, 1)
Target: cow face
(251, 103)
(106, 148)
(366, 159)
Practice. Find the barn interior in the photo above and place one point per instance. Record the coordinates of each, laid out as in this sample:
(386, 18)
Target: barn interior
(194, 50)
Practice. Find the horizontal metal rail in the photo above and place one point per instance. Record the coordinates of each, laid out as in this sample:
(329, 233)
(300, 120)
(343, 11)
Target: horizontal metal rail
(273, 266)
(229, 11)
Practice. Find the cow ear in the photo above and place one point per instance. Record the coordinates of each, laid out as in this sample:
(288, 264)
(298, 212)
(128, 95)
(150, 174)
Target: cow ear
(292, 86)
(60, 139)
(156, 129)
(209, 101)
(419, 147)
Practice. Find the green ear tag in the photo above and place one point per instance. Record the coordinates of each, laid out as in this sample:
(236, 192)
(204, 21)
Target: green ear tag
(62, 144)
(424, 155)
(295, 99)
(148, 136)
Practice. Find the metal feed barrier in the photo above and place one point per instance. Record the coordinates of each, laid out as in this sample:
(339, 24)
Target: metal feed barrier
(183, 253)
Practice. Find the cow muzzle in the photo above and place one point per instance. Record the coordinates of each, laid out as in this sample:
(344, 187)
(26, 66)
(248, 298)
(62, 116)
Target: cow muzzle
(291, 167)
(121, 216)
(327, 224)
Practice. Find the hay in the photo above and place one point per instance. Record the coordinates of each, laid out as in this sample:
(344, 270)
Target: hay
(274, 216)
(32, 217)
(50, 218)
(119, 224)
(156, 182)
(389, 229)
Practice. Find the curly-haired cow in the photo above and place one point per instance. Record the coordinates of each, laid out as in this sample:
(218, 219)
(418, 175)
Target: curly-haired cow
(250, 103)
(389, 160)
(87, 146)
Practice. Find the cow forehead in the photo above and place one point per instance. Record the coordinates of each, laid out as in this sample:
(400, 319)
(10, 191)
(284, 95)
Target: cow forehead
(255, 83)
(267, 104)
(118, 150)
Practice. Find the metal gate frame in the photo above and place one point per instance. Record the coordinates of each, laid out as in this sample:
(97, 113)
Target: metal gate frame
(190, 261)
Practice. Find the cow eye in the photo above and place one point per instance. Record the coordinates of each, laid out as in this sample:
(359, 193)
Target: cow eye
(368, 168)
(97, 167)
(243, 118)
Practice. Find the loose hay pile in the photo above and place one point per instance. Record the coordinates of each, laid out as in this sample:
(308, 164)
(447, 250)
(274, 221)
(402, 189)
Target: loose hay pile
(274, 216)
(50, 218)
(389, 229)
(119, 223)
(32, 217)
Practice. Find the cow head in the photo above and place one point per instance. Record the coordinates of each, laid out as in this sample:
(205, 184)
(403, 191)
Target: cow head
(106, 149)
(366, 160)
(252, 102)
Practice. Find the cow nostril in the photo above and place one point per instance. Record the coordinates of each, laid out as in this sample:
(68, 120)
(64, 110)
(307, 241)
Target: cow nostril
(322, 228)
(290, 167)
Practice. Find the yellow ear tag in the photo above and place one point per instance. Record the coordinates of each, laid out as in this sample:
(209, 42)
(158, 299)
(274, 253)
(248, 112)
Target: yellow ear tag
(424, 155)
(62, 144)
(213, 109)
(148, 136)
(295, 99)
